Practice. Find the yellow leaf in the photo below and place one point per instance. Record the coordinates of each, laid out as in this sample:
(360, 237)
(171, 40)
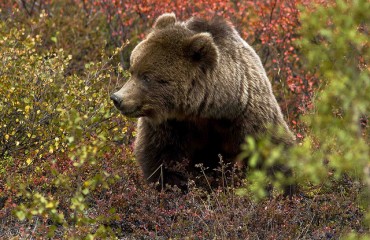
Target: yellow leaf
(29, 161)
(6, 137)
(50, 205)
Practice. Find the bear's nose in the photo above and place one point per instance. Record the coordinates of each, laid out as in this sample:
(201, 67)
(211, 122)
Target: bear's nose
(116, 100)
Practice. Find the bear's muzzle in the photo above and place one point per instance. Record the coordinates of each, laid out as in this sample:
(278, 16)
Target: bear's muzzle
(116, 100)
(126, 105)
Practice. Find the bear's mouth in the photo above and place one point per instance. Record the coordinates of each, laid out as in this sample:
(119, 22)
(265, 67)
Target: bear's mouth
(140, 111)
(134, 113)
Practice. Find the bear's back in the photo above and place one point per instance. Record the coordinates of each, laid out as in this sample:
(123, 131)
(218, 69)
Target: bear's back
(233, 48)
(220, 30)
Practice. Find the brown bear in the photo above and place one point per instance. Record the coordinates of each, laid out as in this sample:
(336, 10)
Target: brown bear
(198, 90)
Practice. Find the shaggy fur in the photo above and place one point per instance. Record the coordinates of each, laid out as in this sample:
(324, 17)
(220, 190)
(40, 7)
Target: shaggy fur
(198, 90)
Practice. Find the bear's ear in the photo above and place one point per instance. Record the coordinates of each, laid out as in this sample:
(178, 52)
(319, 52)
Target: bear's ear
(201, 49)
(165, 20)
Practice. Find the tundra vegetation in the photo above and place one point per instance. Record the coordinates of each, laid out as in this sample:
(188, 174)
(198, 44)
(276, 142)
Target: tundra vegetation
(67, 168)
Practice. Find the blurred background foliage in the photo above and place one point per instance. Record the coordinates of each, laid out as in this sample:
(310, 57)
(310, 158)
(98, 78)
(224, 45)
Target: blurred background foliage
(66, 163)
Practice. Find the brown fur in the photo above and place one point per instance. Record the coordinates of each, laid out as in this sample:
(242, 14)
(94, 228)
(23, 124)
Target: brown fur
(198, 90)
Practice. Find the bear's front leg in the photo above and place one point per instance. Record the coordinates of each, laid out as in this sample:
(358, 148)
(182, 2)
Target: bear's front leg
(160, 156)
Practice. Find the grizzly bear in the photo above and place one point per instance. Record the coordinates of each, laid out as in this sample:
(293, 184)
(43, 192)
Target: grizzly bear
(198, 90)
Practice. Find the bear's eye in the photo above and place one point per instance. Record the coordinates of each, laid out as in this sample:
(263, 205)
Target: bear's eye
(145, 78)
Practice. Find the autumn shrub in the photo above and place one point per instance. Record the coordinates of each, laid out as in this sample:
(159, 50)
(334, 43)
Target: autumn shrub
(29, 6)
(63, 25)
(55, 129)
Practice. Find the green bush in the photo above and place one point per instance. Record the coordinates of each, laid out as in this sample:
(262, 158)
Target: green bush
(335, 41)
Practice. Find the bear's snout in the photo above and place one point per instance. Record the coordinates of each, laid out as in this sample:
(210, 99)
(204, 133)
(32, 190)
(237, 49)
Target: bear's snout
(127, 104)
(116, 100)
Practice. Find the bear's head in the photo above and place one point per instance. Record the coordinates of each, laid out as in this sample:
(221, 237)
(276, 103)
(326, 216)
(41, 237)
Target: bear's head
(168, 72)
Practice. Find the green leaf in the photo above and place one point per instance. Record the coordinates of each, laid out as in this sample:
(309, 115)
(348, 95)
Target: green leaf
(21, 215)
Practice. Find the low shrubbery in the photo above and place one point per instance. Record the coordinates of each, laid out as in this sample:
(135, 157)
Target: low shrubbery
(57, 129)
(66, 163)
